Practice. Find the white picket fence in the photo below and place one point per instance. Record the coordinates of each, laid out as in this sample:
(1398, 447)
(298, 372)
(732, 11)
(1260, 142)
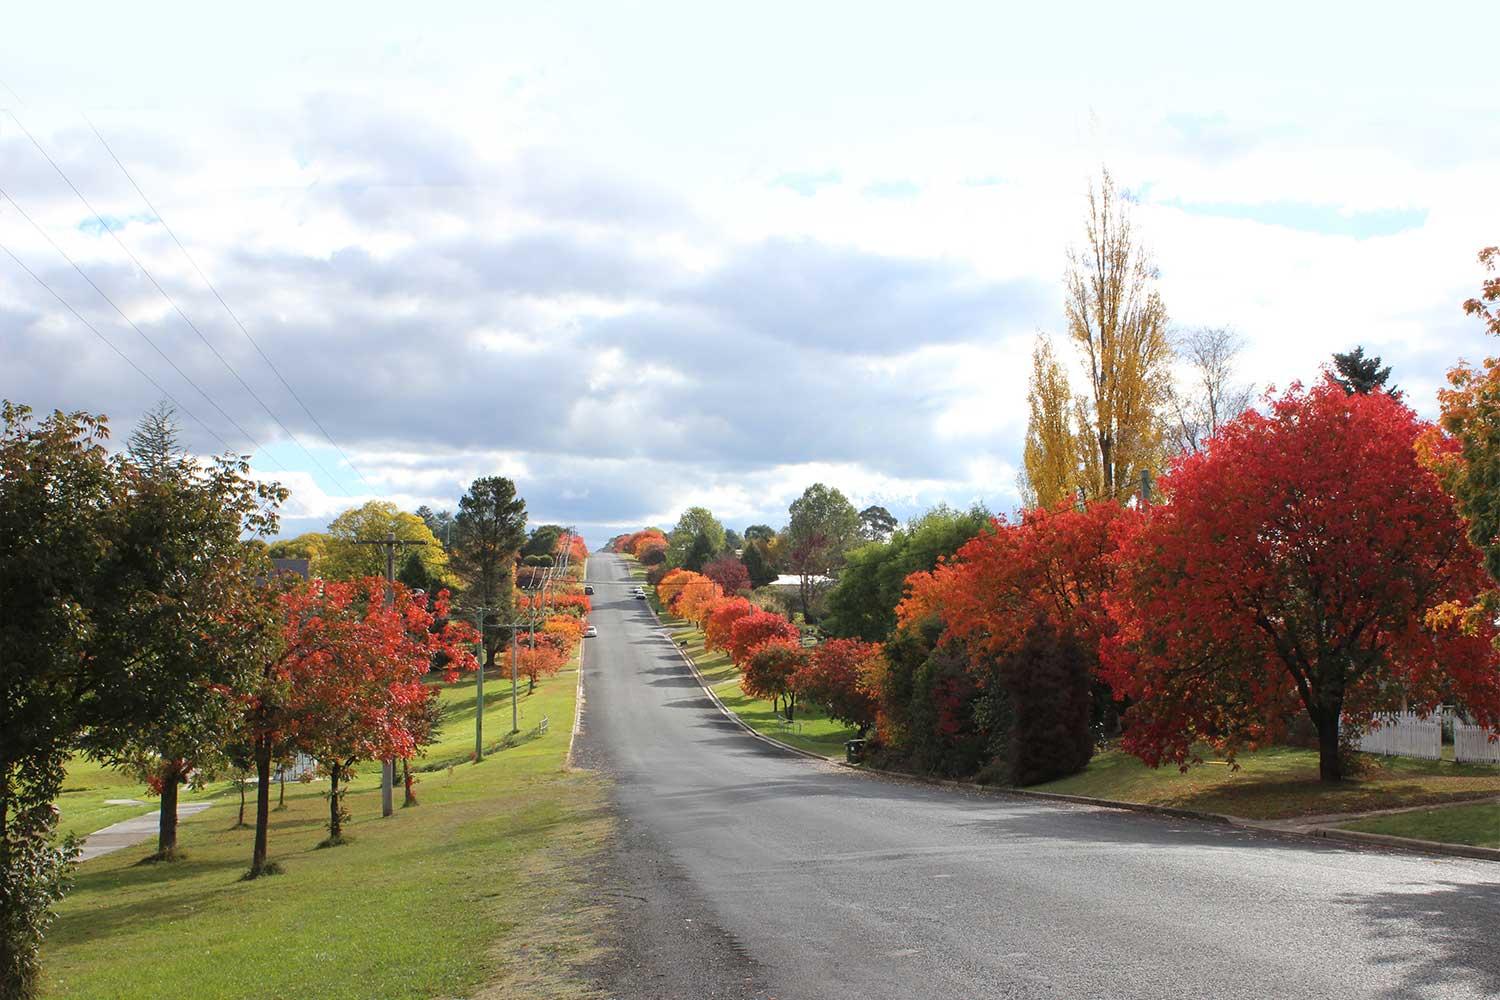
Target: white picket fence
(1403, 734)
(1472, 744)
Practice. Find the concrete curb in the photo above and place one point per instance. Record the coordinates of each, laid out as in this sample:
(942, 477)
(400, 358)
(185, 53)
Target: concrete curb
(577, 692)
(1404, 843)
(724, 709)
(577, 709)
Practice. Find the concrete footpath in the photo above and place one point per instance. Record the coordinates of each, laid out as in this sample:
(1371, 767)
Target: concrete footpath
(128, 833)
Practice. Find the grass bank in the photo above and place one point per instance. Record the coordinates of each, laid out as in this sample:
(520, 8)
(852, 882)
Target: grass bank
(1477, 825)
(811, 729)
(476, 891)
(1278, 783)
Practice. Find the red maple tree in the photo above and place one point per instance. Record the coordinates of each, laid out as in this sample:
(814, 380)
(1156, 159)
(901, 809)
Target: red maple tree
(1295, 566)
(768, 672)
(729, 573)
(347, 683)
(754, 629)
(837, 679)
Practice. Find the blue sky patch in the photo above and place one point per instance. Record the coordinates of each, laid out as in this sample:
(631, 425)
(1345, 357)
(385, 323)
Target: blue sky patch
(807, 185)
(1309, 217)
(115, 223)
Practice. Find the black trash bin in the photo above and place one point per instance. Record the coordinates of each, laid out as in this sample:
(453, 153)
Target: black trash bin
(854, 751)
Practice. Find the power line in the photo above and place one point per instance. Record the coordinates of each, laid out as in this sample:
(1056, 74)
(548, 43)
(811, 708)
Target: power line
(108, 343)
(126, 358)
(253, 343)
(105, 296)
(172, 302)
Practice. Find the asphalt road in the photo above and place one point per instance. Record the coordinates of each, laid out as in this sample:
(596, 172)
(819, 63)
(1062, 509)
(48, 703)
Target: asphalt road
(752, 872)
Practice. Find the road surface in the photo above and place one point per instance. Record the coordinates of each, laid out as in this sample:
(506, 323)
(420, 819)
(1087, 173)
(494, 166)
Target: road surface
(751, 872)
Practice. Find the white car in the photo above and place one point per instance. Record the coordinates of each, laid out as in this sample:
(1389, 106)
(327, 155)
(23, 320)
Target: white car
(590, 632)
(638, 594)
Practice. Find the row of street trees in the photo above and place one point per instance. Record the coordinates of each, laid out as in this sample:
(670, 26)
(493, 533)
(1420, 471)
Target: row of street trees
(145, 627)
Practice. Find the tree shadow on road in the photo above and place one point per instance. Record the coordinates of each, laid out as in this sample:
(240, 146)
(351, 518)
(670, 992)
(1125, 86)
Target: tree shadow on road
(1442, 935)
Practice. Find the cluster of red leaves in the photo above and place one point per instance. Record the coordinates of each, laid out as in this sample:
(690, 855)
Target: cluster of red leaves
(1296, 564)
(840, 677)
(349, 681)
(631, 544)
(576, 549)
(1054, 562)
(753, 630)
(768, 671)
(729, 573)
(721, 619)
(578, 605)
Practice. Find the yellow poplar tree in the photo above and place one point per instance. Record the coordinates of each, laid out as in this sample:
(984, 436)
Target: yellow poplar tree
(1050, 462)
(1117, 322)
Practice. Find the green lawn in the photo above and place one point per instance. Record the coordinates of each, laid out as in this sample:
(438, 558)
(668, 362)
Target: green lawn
(477, 887)
(812, 730)
(1278, 783)
(1476, 825)
(82, 805)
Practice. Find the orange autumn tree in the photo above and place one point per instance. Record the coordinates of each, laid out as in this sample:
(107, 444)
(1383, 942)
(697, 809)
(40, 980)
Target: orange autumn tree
(1467, 458)
(698, 599)
(721, 620)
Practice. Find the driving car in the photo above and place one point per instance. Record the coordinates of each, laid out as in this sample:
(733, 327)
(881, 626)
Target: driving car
(590, 632)
(588, 589)
(638, 594)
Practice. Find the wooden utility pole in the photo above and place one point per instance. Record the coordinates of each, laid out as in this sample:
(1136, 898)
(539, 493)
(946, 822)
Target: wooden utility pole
(388, 766)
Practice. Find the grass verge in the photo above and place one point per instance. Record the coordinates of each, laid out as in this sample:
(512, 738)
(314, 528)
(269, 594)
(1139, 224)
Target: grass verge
(84, 807)
(1477, 825)
(1278, 783)
(812, 730)
(476, 889)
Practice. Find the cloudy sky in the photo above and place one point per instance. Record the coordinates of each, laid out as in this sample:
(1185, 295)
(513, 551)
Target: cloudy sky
(706, 254)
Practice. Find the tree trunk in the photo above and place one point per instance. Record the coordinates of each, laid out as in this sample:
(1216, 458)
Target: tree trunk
(281, 791)
(791, 706)
(241, 783)
(407, 784)
(1330, 765)
(262, 805)
(335, 828)
(166, 835)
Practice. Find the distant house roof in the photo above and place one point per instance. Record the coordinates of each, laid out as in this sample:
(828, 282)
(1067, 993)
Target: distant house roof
(297, 567)
(793, 580)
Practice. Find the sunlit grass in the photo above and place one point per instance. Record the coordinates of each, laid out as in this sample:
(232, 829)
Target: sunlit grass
(433, 901)
(1475, 825)
(1277, 783)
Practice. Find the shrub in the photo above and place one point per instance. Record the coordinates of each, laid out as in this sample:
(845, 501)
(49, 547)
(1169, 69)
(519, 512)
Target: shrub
(1048, 680)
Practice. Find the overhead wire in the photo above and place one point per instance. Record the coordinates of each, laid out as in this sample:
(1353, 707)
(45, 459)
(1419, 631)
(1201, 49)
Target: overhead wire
(110, 344)
(232, 315)
(144, 336)
(171, 301)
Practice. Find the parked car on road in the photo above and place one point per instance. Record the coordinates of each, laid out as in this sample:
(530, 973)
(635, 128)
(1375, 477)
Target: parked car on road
(638, 594)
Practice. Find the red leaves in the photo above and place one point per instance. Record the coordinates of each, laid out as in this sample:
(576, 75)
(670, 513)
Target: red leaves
(633, 543)
(716, 631)
(840, 678)
(1055, 562)
(1295, 562)
(769, 669)
(756, 628)
(729, 573)
(349, 682)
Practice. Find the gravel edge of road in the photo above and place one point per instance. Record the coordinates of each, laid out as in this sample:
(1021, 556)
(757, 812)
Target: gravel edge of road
(1376, 841)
